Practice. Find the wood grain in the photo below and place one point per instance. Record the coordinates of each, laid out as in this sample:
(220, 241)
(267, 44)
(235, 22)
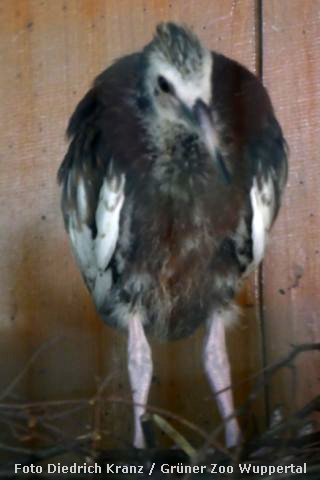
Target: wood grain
(50, 53)
(291, 70)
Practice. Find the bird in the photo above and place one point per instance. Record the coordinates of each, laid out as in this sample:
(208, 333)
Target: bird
(173, 178)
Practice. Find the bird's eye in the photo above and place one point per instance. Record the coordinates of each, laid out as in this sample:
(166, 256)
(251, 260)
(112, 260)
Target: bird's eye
(164, 85)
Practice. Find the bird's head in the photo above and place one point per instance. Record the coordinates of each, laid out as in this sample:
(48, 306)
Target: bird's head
(178, 82)
(178, 72)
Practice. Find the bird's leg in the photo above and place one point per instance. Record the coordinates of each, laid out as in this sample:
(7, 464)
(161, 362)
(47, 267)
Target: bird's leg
(140, 374)
(217, 368)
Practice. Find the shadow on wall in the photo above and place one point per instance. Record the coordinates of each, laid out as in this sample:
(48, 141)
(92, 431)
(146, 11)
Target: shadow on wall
(50, 302)
(72, 351)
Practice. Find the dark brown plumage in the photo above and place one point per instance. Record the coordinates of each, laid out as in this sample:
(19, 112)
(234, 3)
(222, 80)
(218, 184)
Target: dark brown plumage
(191, 184)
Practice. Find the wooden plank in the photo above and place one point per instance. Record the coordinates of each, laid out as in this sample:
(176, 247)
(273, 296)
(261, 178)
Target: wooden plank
(51, 52)
(291, 70)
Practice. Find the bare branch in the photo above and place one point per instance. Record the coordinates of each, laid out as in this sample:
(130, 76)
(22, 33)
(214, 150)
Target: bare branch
(32, 359)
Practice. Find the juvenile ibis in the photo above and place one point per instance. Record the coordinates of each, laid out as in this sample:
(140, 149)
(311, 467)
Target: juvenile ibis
(171, 183)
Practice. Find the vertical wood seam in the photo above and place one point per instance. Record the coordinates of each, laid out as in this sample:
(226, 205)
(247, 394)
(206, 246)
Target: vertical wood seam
(260, 277)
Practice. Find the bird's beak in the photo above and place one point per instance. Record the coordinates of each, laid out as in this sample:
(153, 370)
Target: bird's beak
(201, 118)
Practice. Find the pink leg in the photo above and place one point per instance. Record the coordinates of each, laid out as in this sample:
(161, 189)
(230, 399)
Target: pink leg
(217, 368)
(140, 374)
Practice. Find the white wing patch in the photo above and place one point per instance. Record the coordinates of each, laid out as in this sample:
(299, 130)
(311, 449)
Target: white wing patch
(82, 246)
(263, 208)
(93, 254)
(107, 220)
(82, 200)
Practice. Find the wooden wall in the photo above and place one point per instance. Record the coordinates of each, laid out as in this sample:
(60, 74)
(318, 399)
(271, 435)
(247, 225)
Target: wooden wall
(50, 52)
(291, 69)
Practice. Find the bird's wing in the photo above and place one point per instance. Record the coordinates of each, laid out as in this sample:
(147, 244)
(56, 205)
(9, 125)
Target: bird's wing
(92, 197)
(269, 180)
(270, 169)
(243, 105)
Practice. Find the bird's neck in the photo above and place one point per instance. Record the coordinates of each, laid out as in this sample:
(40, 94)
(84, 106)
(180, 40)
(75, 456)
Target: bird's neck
(166, 134)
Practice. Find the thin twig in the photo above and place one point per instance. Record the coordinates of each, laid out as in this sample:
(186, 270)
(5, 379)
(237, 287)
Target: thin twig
(25, 369)
(97, 413)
